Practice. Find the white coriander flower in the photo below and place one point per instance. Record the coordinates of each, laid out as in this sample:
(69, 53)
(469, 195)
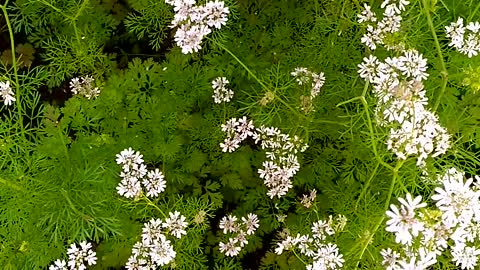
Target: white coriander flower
(229, 224)
(457, 201)
(80, 257)
(251, 222)
(129, 187)
(216, 14)
(464, 256)
(367, 15)
(129, 157)
(230, 248)
(84, 86)
(154, 183)
(152, 231)
(241, 239)
(220, 91)
(189, 37)
(161, 251)
(368, 68)
(176, 224)
(413, 64)
(390, 258)
(403, 221)
(7, 93)
(58, 265)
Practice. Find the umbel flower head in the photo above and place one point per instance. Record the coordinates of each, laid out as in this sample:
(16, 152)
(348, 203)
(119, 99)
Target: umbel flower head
(135, 174)
(220, 91)
(79, 257)
(155, 250)
(7, 93)
(196, 22)
(240, 230)
(84, 86)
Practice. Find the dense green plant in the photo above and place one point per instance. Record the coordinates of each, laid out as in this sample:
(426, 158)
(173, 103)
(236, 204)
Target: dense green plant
(58, 150)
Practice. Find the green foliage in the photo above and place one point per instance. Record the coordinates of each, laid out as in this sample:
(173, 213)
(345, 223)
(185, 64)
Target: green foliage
(57, 150)
(150, 20)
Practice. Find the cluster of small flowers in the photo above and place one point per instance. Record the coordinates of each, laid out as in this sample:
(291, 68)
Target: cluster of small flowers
(237, 131)
(7, 94)
(135, 174)
(196, 22)
(397, 84)
(465, 39)
(390, 23)
(78, 258)
(425, 234)
(304, 76)
(229, 224)
(282, 163)
(307, 200)
(155, 249)
(325, 255)
(220, 92)
(84, 86)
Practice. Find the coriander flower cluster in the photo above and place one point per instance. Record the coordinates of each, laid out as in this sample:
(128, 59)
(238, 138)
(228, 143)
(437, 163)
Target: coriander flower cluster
(79, 257)
(84, 86)
(237, 131)
(241, 230)
(424, 233)
(304, 76)
(307, 200)
(220, 91)
(322, 254)
(195, 22)
(402, 102)
(377, 29)
(282, 161)
(155, 250)
(8, 96)
(135, 174)
(465, 39)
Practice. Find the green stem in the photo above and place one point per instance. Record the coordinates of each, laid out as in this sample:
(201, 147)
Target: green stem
(149, 202)
(474, 12)
(18, 90)
(367, 184)
(385, 208)
(443, 71)
(242, 64)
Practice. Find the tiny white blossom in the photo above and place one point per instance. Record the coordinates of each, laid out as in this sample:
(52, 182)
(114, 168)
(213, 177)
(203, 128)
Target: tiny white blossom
(7, 93)
(176, 224)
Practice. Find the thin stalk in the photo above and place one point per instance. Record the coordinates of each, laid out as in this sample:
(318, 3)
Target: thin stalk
(18, 89)
(243, 65)
(149, 202)
(444, 71)
(387, 203)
